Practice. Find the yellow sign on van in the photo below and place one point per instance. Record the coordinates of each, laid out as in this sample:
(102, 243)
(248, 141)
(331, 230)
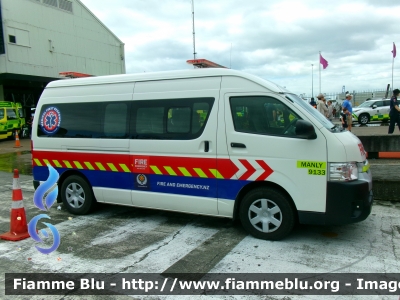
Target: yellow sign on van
(316, 172)
(314, 167)
(311, 164)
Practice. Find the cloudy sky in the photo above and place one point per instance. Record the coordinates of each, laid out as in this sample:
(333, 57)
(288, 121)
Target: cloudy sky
(277, 40)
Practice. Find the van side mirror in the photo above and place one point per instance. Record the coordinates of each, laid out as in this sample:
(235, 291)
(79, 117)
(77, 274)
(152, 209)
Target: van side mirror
(374, 106)
(305, 130)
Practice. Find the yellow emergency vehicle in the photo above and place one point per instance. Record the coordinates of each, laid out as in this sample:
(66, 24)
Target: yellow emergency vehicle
(11, 119)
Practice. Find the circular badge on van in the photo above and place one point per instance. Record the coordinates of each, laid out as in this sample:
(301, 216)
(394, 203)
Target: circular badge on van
(141, 179)
(50, 120)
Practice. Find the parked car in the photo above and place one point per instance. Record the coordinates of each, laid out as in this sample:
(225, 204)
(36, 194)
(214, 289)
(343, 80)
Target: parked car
(372, 110)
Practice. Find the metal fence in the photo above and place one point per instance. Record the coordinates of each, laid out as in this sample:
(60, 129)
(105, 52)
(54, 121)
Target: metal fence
(358, 96)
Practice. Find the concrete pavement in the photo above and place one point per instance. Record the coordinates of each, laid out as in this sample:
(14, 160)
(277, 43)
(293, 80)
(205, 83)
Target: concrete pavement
(7, 146)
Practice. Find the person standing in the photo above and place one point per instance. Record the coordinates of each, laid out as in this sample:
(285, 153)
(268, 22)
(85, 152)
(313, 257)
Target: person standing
(394, 113)
(347, 104)
(330, 110)
(343, 118)
(312, 103)
(321, 105)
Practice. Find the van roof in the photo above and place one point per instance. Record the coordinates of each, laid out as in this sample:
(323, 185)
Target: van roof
(165, 75)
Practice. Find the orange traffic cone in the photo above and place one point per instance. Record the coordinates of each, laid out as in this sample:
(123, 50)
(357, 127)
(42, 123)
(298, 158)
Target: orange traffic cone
(18, 225)
(17, 142)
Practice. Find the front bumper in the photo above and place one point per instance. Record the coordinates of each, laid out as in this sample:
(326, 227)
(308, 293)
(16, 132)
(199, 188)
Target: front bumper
(346, 202)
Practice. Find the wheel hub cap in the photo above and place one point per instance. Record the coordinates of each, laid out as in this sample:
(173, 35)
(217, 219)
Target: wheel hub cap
(265, 215)
(75, 195)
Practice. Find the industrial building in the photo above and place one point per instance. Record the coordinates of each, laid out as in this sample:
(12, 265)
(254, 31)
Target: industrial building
(41, 38)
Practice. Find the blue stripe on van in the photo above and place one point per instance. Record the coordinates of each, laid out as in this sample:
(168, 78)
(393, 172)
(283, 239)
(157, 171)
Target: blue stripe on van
(191, 186)
(115, 180)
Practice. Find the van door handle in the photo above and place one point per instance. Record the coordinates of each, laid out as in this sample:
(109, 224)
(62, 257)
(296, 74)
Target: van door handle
(238, 145)
(206, 146)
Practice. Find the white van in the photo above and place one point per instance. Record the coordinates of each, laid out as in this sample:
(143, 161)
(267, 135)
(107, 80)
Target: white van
(215, 142)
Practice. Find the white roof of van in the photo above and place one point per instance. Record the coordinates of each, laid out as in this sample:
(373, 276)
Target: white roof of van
(165, 75)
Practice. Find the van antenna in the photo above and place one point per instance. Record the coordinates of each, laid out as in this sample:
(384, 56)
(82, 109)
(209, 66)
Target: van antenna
(194, 35)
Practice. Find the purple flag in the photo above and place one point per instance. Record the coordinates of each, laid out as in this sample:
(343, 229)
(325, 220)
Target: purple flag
(323, 61)
(394, 50)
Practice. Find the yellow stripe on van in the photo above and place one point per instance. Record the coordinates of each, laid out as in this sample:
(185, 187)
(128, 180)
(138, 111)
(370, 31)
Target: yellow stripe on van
(200, 172)
(112, 167)
(156, 170)
(78, 165)
(170, 170)
(66, 162)
(184, 172)
(100, 166)
(125, 168)
(57, 164)
(216, 174)
(46, 162)
(37, 162)
(89, 165)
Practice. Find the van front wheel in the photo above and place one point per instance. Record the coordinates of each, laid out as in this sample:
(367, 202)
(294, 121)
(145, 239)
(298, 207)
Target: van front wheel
(267, 214)
(77, 195)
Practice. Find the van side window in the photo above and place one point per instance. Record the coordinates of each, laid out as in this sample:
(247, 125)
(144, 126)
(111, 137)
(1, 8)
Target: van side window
(1, 113)
(262, 115)
(150, 120)
(179, 121)
(169, 119)
(200, 113)
(115, 120)
(89, 120)
(11, 114)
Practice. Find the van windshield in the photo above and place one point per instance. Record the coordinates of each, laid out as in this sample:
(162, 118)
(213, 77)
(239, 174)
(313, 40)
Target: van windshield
(304, 104)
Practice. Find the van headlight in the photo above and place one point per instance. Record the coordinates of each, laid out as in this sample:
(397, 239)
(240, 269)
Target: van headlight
(343, 171)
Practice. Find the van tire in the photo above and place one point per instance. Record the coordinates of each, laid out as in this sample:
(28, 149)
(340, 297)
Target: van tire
(272, 208)
(77, 195)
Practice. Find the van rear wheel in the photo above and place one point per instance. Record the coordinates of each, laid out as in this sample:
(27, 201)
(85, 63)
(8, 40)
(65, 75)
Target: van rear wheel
(77, 195)
(267, 214)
